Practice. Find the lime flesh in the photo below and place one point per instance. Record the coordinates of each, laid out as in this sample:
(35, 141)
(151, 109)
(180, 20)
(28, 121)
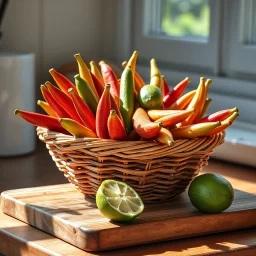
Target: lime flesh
(118, 201)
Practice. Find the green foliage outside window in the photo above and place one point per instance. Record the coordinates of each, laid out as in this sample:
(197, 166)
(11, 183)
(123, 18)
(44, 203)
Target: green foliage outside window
(185, 18)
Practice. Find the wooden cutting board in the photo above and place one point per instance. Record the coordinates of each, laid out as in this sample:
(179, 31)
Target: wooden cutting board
(65, 213)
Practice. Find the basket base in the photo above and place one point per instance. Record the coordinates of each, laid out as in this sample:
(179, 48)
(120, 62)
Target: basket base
(147, 194)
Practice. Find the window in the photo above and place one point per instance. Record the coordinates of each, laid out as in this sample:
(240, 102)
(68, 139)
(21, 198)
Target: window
(202, 37)
(169, 30)
(188, 20)
(211, 38)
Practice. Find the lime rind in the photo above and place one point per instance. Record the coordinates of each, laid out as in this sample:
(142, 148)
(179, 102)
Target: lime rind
(211, 193)
(150, 97)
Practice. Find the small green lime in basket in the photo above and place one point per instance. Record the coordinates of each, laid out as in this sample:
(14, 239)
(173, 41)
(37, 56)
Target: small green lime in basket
(150, 97)
(211, 193)
(118, 201)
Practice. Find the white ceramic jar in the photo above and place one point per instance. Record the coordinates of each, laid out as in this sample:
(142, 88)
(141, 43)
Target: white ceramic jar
(17, 90)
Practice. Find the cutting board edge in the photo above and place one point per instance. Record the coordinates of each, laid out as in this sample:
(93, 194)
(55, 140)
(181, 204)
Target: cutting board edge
(89, 237)
(240, 224)
(98, 240)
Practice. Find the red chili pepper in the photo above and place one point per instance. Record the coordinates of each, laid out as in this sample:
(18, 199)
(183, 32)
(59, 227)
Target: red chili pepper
(49, 122)
(102, 114)
(175, 93)
(166, 89)
(116, 127)
(115, 107)
(218, 116)
(109, 77)
(62, 81)
(83, 110)
(64, 101)
(99, 86)
(53, 103)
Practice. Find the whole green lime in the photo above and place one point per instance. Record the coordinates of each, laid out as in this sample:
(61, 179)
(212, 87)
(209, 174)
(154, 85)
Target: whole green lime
(211, 193)
(150, 97)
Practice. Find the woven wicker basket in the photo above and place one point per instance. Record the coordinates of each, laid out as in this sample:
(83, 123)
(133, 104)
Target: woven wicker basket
(157, 172)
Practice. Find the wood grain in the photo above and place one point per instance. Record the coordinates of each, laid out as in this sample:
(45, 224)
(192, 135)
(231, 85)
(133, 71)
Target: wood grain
(62, 211)
(19, 239)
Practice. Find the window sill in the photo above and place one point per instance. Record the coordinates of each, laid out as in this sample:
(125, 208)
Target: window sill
(239, 146)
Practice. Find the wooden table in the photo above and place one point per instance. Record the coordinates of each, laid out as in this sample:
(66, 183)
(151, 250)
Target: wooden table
(17, 238)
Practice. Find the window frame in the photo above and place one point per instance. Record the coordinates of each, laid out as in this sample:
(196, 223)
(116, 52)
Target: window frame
(239, 56)
(165, 47)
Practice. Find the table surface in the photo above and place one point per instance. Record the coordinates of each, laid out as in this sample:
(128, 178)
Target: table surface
(18, 238)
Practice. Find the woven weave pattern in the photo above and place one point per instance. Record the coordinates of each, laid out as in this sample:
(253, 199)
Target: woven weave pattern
(157, 172)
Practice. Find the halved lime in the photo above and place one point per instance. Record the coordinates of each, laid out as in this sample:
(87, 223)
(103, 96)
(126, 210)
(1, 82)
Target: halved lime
(118, 201)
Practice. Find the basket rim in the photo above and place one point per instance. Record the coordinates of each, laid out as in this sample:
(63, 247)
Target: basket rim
(46, 134)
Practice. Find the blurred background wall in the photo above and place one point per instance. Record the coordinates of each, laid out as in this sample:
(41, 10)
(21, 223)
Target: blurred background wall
(57, 29)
